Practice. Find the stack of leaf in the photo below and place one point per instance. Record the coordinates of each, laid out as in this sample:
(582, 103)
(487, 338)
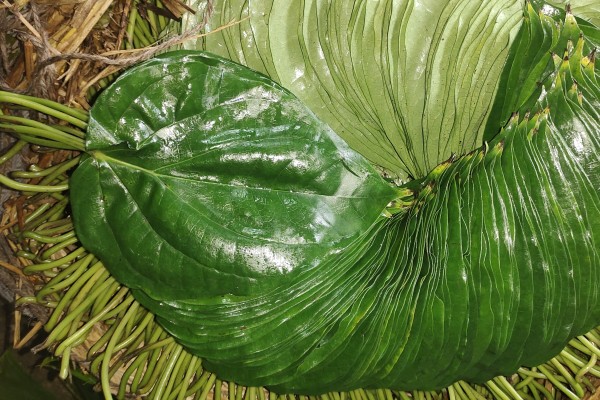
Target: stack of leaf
(407, 102)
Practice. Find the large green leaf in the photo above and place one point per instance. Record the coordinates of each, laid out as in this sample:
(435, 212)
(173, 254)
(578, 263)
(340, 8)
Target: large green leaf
(206, 178)
(405, 83)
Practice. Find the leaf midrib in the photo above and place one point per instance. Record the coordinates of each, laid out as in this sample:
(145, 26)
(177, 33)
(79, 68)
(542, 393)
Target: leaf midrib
(103, 157)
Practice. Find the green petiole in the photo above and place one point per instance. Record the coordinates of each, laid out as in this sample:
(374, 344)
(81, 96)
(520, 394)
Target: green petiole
(20, 125)
(48, 239)
(58, 247)
(161, 362)
(35, 268)
(572, 382)
(24, 187)
(586, 368)
(13, 151)
(170, 375)
(76, 117)
(145, 31)
(110, 346)
(200, 383)
(65, 278)
(92, 274)
(50, 173)
(67, 129)
(53, 144)
(556, 381)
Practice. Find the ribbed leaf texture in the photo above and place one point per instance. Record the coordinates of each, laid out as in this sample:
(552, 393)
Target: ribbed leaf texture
(257, 238)
(404, 82)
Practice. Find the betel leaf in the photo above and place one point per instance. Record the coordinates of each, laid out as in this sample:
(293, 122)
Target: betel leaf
(405, 83)
(205, 178)
(531, 59)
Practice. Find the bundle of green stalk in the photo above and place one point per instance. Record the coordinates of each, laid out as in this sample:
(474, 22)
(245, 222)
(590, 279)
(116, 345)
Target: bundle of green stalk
(241, 239)
(144, 24)
(103, 30)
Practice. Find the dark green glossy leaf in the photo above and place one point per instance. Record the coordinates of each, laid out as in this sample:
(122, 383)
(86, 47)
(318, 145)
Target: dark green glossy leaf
(206, 178)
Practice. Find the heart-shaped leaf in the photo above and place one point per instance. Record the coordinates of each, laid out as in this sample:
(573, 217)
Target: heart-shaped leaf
(206, 178)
